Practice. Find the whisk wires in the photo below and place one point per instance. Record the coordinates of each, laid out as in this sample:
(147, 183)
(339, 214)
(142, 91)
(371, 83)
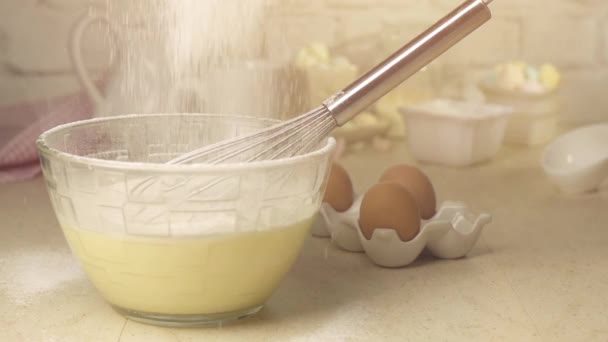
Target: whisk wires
(292, 137)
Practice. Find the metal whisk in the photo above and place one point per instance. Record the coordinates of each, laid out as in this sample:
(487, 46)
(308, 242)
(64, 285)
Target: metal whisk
(305, 132)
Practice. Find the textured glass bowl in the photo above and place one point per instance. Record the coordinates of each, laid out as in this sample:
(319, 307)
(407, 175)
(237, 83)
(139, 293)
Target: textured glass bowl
(179, 244)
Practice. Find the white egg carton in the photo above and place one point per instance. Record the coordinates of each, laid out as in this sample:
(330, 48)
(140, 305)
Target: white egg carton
(450, 234)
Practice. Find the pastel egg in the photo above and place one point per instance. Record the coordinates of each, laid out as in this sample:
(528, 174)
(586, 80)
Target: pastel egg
(339, 193)
(532, 74)
(550, 76)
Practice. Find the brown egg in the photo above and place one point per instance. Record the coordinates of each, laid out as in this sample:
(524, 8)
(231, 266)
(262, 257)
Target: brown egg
(389, 205)
(417, 183)
(339, 193)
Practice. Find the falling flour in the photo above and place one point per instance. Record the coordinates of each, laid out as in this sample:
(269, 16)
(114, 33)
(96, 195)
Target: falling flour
(202, 56)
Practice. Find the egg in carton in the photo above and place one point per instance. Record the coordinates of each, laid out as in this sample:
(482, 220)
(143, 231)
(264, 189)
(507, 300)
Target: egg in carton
(339, 209)
(389, 224)
(342, 227)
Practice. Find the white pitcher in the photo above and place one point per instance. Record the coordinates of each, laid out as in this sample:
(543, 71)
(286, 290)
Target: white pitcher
(136, 84)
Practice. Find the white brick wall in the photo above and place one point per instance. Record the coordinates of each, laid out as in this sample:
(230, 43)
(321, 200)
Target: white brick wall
(570, 33)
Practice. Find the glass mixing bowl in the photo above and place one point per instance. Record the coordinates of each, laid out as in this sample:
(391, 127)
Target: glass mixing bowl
(179, 244)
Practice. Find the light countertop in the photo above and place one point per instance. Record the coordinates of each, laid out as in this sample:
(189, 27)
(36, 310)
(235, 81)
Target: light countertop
(539, 272)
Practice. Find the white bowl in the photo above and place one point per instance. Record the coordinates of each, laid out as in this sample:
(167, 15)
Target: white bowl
(577, 162)
(455, 133)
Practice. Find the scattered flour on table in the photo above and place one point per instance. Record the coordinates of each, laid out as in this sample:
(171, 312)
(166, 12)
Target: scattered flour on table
(28, 274)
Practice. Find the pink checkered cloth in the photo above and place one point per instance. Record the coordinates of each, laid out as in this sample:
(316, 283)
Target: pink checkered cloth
(19, 157)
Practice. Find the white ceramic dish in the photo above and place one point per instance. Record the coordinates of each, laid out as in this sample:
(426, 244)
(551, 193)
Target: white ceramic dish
(577, 162)
(535, 116)
(450, 234)
(455, 133)
(538, 104)
(531, 130)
